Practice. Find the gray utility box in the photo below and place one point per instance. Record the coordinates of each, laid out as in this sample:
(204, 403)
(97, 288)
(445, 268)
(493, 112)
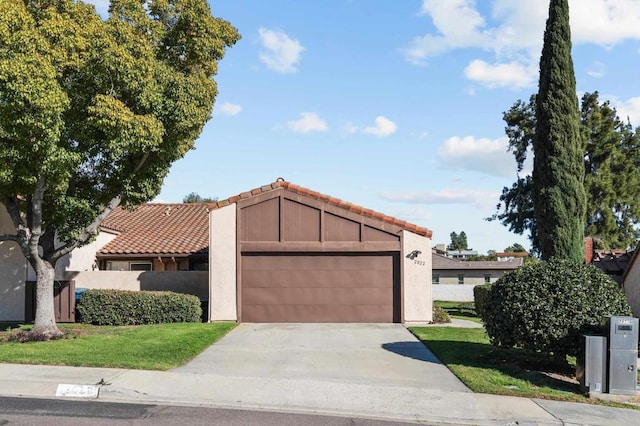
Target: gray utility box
(622, 336)
(591, 364)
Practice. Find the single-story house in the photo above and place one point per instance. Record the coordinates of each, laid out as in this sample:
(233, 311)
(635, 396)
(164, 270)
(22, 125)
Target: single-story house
(284, 253)
(453, 280)
(278, 253)
(130, 247)
(156, 237)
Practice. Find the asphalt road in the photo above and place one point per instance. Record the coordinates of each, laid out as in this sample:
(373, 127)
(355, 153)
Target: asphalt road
(43, 412)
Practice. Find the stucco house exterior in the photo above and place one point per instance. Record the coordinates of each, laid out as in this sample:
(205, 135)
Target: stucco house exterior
(277, 253)
(284, 253)
(453, 280)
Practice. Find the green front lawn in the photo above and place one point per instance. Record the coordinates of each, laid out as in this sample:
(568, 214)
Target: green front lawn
(485, 368)
(146, 347)
(460, 310)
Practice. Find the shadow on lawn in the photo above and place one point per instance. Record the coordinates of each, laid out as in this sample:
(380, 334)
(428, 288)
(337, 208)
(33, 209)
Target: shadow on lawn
(537, 369)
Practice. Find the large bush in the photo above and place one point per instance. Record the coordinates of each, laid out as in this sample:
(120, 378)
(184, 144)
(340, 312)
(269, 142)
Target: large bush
(546, 306)
(480, 295)
(117, 307)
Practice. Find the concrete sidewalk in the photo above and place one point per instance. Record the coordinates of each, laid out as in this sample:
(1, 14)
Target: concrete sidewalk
(299, 384)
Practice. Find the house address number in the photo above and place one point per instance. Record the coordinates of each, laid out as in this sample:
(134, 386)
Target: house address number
(419, 262)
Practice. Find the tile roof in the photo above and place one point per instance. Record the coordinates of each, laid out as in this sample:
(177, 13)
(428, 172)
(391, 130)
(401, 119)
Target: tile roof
(442, 262)
(158, 229)
(327, 199)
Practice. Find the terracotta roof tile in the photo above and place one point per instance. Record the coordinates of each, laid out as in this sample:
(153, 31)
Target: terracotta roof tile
(327, 199)
(159, 229)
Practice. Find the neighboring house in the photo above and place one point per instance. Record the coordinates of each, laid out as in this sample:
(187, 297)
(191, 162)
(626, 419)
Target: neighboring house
(154, 237)
(283, 253)
(631, 282)
(157, 237)
(511, 255)
(453, 280)
(442, 249)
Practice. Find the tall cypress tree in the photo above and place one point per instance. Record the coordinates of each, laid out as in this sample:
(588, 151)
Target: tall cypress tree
(558, 167)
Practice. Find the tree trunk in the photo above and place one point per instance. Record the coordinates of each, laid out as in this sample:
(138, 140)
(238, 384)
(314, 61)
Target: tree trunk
(45, 322)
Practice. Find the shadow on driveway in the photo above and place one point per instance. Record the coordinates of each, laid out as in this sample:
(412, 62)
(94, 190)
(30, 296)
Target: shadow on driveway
(414, 350)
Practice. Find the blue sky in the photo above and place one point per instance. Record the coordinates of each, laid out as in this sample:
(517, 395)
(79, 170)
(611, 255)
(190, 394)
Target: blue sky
(394, 105)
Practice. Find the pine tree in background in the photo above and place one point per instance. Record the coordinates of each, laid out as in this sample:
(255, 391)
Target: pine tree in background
(558, 167)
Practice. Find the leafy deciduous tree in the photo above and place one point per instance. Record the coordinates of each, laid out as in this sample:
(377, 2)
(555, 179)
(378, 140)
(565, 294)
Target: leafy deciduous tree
(194, 197)
(611, 174)
(458, 241)
(93, 113)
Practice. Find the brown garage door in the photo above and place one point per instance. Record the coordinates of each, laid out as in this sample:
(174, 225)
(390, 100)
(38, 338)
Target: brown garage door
(320, 287)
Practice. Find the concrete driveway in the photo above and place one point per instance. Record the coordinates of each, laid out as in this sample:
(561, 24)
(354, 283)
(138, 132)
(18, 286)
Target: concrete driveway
(359, 354)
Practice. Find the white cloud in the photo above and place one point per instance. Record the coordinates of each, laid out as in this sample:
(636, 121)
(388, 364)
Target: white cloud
(281, 53)
(604, 22)
(309, 122)
(597, 70)
(514, 31)
(228, 108)
(630, 109)
(485, 199)
(512, 74)
(482, 155)
(382, 127)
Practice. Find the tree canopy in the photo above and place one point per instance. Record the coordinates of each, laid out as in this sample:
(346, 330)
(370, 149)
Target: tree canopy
(458, 241)
(558, 190)
(194, 197)
(93, 113)
(611, 152)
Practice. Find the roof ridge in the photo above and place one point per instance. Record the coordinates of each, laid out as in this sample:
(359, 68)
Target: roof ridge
(324, 198)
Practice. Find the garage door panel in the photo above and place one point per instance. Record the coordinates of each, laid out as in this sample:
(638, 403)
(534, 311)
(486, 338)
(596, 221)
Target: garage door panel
(327, 287)
(318, 313)
(378, 297)
(317, 278)
(312, 262)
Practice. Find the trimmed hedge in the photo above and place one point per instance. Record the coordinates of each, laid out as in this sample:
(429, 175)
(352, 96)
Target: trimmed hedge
(119, 307)
(547, 306)
(480, 295)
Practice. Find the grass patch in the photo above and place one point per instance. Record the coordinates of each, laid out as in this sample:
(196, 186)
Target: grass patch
(460, 310)
(145, 347)
(485, 368)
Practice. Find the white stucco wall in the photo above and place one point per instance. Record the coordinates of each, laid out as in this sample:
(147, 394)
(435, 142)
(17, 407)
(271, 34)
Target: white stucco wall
(13, 272)
(631, 286)
(417, 301)
(453, 292)
(187, 282)
(222, 265)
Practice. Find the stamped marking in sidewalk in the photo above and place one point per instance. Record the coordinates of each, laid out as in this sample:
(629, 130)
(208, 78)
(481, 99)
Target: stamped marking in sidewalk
(77, 391)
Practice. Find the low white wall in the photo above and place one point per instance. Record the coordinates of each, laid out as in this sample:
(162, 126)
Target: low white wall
(453, 292)
(417, 302)
(187, 282)
(222, 265)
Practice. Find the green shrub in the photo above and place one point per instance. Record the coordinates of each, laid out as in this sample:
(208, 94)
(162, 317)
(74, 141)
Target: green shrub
(118, 307)
(440, 315)
(546, 306)
(480, 294)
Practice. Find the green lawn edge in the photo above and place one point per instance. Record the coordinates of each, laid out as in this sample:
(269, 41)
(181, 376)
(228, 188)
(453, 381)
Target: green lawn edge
(146, 347)
(484, 368)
